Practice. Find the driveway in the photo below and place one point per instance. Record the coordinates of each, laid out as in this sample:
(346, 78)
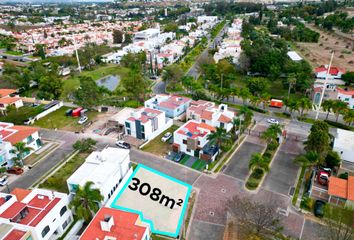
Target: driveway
(238, 165)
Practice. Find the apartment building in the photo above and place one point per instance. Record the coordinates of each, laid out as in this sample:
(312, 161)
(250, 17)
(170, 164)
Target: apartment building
(43, 213)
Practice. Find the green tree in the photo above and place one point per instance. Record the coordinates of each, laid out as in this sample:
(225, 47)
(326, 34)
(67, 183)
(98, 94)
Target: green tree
(310, 158)
(338, 108)
(332, 159)
(20, 150)
(117, 36)
(86, 202)
(40, 50)
(245, 94)
(291, 82)
(318, 139)
(348, 117)
(327, 106)
(135, 84)
(258, 161)
(84, 145)
(218, 136)
(172, 75)
(89, 94)
(128, 38)
(134, 60)
(257, 86)
(271, 134)
(339, 222)
(348, 78)
(304, 105)
(50, 87)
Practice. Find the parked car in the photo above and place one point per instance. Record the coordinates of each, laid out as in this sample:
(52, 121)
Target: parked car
(3, 180)
(319, 208)
(82, 120)
(272, 121)
(15, 170)
(166, 137)
(123, 144)
(322, 178)
(178, 157)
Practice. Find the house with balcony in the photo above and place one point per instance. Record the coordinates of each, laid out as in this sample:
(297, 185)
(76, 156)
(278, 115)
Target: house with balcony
(211, 114)
(8, 97)
(106, 169)
(110, 223)
(172, 105)
(147, 123)
(192, 139)
(40, 214)
(11, 134)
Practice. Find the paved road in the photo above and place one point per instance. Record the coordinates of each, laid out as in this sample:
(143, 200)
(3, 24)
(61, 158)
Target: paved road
(238, 165)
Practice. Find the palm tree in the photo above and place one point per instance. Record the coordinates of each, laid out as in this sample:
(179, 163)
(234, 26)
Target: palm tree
(255, 100)
(291, 81)
(244, 93)
(271, 134)
(236, 122)
(338, 107)
(85, 202)
(265, 97)
(293, 105)
(327, 106)
(258, 161)
(218, 136)
(310, 158)
(20, 150)
(349, 117)
(304, 104)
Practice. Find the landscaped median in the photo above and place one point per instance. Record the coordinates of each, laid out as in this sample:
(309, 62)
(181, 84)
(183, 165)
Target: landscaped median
(259, 163)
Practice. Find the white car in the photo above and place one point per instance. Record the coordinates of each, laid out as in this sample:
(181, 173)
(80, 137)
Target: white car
(166, 137)
(123, 144)
(272, 121)
(3, 180)
(82, 120)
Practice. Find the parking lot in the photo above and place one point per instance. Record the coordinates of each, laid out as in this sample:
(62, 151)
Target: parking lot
(160, 199)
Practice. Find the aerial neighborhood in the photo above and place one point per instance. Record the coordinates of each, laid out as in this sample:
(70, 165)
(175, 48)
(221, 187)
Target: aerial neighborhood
(189, 120)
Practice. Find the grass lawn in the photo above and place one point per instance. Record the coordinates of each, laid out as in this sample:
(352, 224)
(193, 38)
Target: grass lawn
(184, 159)
(57, 119)
(18, 116)
(156, 146)
(73, 82)
(16, 53)
(57, 181)
(199, 165)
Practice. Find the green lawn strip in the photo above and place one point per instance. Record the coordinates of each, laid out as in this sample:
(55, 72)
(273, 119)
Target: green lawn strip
(72, 83)
(185, 159)
(16, 53)
(57, 119)
(201, 165)
(34, 157)
(198, 164)
(298, 185)
(57, 181)
(156, 146)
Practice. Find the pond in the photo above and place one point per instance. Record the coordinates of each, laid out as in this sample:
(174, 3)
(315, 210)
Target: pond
(110, 82)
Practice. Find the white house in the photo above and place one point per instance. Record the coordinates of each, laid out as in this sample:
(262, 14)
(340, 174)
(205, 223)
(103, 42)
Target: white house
(44, 213)
(344, 144)
(147, 123)
(346, 96)
(191, 137)
(111, 223)
(11, 134)
(206, 19)
(105, 169)
(334, 72)
(113, 57)
(209, 113)
(147, 34)
(174, 106)
(9, 98)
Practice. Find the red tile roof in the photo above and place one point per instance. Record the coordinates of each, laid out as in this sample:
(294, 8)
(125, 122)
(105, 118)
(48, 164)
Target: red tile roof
(15, 234)
(224, 119)
(13, 210)
(20, 193)
(346, 92)
(207, 115)
(9, 100)
(341, 188)
(21, 133)
(332, 71)
(124, 226)
(194, 129)
(5, 92)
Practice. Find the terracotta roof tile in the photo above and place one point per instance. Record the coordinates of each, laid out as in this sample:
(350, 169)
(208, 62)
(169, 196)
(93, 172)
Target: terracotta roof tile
(20, 193)
(337, 187)
(5, 92)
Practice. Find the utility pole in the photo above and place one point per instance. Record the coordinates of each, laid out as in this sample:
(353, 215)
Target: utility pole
(324, 86)
(77, 55)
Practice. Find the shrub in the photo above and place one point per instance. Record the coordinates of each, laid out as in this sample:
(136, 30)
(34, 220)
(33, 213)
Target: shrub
(267, 154)
(338, 125)
(307, 204)
(257, 174)
(272, 146)
(84, 145)
(257, 109)
(252, 183)
(343, 175)
(132, 104)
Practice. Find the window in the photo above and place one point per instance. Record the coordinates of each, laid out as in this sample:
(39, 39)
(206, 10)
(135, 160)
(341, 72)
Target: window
(222, 125)
(184, 141)
(45, 231)
(198, 142)
(128, 132)
(188, 150)
(63, 210)
(142, 128)
(127, 125)
(143, 135)
(203, 120)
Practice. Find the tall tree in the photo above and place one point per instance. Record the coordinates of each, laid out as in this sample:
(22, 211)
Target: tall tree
(20, 150)
(88, 94)
(339, 223)
(173, 75)
(327, 106)
(134, 84)
(319, 139)
(304, 105)
(218, 136)
(117, 36)
(338, 108)
(50, 87)
(86, 202)
(310, 158)
(349, 117)
(272, 133)
(348, 78)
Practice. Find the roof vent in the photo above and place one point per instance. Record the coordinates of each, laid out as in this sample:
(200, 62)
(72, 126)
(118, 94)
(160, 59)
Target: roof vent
(41, 197)
(107, 223)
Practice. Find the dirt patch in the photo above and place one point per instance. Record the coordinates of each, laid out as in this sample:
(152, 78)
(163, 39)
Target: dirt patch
(319, 53)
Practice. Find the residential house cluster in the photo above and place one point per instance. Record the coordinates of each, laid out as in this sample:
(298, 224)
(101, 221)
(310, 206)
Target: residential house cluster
(333, 92)
(230, 46)
(9, 97)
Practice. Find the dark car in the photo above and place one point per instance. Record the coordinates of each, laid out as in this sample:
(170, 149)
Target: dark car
(319, 208)
(15, 170)
(178, 157)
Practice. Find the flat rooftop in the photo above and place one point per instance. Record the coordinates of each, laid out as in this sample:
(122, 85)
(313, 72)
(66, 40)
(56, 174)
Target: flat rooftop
(344, 139)
(159, 199)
